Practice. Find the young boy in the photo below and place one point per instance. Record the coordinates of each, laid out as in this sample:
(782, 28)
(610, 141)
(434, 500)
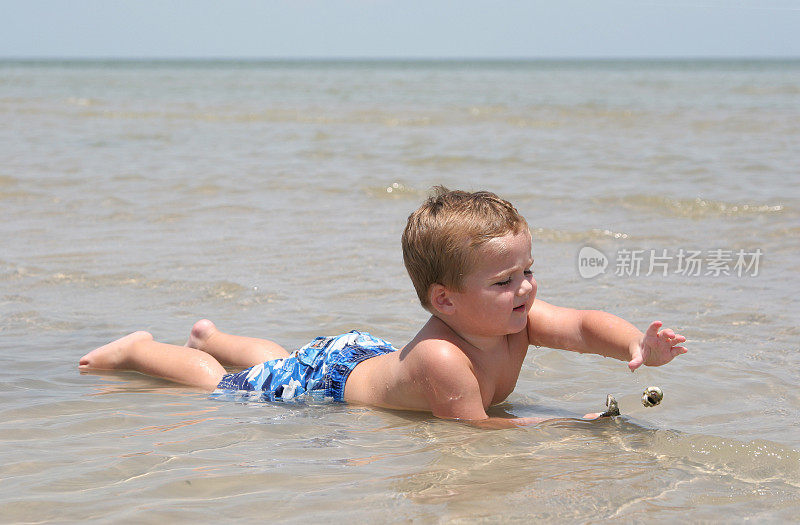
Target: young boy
(469, 257)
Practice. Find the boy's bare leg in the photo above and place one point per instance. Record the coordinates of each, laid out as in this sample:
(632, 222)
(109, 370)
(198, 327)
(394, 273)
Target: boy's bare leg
(233, 350)
(138, 352)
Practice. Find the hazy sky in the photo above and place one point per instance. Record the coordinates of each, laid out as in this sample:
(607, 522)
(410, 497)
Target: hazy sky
(395, 28)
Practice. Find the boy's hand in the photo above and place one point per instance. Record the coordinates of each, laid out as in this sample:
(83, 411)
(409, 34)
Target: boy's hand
(656, 348)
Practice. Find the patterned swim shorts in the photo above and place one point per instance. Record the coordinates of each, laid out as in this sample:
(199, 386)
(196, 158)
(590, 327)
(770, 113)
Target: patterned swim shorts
(319, 370)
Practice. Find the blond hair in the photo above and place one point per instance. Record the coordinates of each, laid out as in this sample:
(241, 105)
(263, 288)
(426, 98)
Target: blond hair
(441, 236)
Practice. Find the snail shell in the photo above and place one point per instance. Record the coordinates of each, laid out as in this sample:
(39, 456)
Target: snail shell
(652, 396)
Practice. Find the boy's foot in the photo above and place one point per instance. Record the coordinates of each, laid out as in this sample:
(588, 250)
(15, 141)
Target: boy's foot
(201, 331)
(112, 355)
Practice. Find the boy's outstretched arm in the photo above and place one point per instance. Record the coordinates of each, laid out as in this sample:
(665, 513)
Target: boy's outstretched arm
(602, 333)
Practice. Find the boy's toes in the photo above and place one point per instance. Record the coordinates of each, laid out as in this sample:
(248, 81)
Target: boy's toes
(113, 354)
(201, 331)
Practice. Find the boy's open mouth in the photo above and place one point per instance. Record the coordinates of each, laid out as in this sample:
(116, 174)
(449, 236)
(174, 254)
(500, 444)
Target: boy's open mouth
(520, 308)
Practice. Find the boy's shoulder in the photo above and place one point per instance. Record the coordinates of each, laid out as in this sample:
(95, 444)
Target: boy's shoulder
(437, 342)
(435, 347)
(441, 373)
(458, 380)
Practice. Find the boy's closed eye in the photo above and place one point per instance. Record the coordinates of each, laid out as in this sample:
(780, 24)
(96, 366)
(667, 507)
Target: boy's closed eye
(527, 273)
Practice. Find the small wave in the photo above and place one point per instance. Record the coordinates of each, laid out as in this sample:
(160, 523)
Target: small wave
(224, 290)
(17, 195)
(553, 235)
(167, 218)
(533, 117)
(129, 177)
(692, 208)
(448, 161)
(536, 118)
(205, 190)
(214, 290)
(523, 122)
(768, 90)
(789, 232)
(222, 210)
(99, 281)
(148, 137)
(497, 109)
(407, 121)
(757, 461)
(302, 116)
(80, 101)
(16, 299)
(394, 190)
(32, 321)
(15, 272)
(590, 111)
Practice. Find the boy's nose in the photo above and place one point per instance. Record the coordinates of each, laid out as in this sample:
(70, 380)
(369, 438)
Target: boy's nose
(526, 287)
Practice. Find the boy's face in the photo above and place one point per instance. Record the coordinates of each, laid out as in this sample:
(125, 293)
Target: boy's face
(499, 291)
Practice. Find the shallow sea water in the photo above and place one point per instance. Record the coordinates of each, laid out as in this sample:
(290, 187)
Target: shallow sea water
(270, 197)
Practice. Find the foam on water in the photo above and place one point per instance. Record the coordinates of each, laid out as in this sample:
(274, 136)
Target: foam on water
(696, 208)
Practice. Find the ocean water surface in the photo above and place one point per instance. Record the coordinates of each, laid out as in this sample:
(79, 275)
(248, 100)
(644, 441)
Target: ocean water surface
(270, 197)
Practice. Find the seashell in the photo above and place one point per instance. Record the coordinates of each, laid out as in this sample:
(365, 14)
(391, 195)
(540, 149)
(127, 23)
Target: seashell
(613, 407)
(652, 396)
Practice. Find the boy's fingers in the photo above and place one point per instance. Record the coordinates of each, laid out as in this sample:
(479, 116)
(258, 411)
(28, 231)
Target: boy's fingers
(652, 330)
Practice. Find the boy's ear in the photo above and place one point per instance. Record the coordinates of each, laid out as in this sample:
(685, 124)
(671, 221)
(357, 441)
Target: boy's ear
(440, 299)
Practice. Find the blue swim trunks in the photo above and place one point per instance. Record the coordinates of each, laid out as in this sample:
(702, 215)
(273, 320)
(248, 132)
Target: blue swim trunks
(319, 370)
